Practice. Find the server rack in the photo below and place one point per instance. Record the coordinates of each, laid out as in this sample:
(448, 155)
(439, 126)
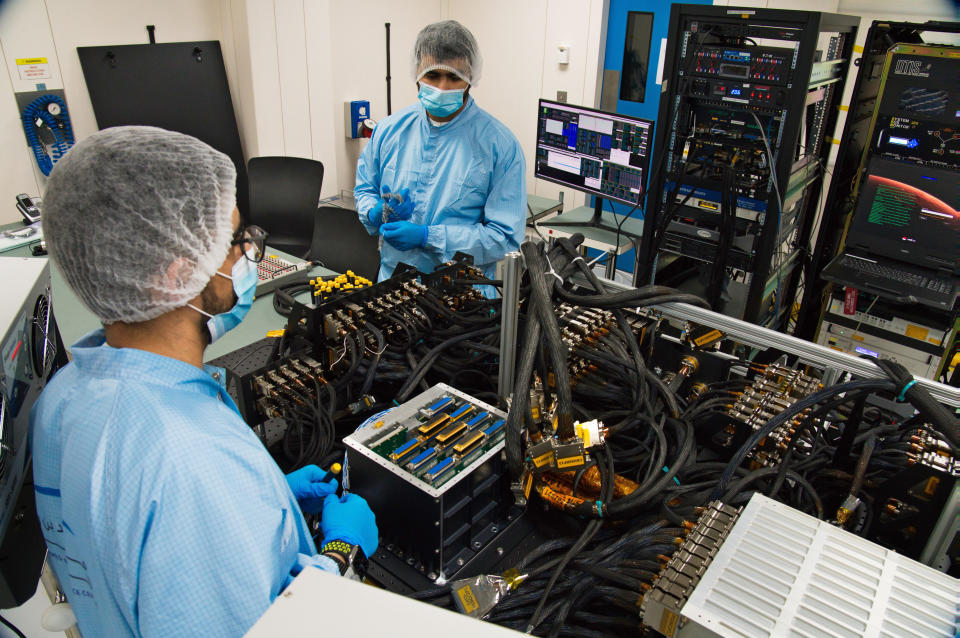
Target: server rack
(744, 130)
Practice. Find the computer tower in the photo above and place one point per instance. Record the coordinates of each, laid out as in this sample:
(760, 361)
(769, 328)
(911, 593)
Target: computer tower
(31, 351)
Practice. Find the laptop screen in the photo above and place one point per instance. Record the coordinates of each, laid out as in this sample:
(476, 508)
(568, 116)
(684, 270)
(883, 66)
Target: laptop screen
(910, 213)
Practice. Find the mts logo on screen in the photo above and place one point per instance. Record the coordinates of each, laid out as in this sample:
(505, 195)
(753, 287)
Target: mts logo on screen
(914, 68)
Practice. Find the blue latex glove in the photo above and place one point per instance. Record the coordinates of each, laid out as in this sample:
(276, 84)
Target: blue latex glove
(399, 209)
(404, 235)
(310, 485)
(349, 519)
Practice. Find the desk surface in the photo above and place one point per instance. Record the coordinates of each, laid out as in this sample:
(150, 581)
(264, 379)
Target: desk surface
(74, 320)
(599, 238)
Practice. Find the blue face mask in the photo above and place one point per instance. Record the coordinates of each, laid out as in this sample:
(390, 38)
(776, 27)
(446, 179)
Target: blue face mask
(440, 103)
(244, 276)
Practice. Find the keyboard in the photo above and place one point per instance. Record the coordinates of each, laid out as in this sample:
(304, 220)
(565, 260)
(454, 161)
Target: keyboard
(890, 273)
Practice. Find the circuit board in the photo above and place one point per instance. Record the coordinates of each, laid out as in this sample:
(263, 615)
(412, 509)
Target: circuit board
(433, 438)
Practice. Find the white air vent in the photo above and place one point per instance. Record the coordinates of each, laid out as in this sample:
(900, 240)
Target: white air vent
(782, 573)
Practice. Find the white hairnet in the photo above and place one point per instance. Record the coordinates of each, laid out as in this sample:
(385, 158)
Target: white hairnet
(450, 46)
(138, 219)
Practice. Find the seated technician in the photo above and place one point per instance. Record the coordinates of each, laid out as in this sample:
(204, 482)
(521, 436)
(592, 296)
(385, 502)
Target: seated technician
(457, 173)
(163, 513)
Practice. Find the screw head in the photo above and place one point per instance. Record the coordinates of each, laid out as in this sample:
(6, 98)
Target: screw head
(459, 562)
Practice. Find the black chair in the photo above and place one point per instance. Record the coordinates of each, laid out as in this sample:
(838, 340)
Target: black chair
(284, 192)
(341, 243)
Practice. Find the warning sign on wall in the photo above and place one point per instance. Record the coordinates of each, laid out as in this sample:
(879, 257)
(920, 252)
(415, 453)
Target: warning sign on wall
(33, 68)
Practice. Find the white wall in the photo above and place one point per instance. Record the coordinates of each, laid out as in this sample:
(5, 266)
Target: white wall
(518, 41)
(53, 29)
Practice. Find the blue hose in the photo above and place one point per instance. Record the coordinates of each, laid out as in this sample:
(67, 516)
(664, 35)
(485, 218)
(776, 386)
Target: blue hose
(60, 126)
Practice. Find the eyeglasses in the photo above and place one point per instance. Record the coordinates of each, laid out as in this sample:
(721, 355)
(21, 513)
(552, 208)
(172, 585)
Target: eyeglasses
(253, 240)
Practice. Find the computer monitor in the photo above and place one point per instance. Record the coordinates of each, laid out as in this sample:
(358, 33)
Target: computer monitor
(909, 212)
(603, 154)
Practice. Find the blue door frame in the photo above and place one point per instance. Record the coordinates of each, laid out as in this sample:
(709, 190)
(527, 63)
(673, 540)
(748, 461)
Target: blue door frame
(613, 61)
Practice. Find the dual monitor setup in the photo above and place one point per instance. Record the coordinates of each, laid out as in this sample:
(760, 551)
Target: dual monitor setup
(606, 155)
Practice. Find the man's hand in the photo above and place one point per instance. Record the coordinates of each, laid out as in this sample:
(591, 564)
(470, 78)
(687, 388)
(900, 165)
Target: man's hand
(310, 485)
(349, 519)
(404, 235)
(398, 207)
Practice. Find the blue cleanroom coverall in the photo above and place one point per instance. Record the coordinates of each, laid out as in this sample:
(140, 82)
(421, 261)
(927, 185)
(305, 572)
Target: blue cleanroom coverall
(163, 513)
(466, 179)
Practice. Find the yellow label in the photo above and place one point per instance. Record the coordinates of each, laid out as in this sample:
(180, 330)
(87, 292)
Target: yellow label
(535, 412)
(543, 459)
(710, 336)
(585, 436)
(843, 107)
(275, 333)
(857, 48)
(527, 485)
(668, 623)
(23, 61)
(467, 599)
(856, 337)
(570, 461)
(931, 487)
(916, 332)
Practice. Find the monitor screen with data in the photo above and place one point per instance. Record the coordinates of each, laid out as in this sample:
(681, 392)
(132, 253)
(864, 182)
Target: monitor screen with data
(600, 153)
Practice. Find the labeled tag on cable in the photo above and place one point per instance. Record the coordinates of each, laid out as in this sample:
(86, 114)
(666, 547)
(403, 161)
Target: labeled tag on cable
(849, 300)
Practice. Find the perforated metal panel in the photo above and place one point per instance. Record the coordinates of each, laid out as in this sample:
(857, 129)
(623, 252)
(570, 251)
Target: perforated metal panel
(783, 573)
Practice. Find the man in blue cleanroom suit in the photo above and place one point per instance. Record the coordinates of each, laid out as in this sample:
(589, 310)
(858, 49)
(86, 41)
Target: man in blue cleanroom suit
(163, 513)
(457, 173)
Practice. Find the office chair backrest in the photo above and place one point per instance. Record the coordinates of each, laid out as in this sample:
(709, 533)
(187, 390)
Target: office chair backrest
(342, 243)
(284, 192)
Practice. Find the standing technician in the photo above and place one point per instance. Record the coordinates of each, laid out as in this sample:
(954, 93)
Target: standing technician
(459, 171)
(163, 513)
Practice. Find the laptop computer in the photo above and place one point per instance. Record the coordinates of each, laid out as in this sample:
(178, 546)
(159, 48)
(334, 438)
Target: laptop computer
(904, 239)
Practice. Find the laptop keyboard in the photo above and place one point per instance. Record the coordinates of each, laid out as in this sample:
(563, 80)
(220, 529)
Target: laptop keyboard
(894, 274)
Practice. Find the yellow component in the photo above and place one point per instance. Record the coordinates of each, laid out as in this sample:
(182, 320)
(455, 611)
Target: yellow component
(857, 48)
(527, 484)
(713, 335)
(467, 445)
(916, 332)
(467, 599)
(843, 107)
(583, 433)
(451, 432)
(378, 425)
(668, 623)
(273, 257)
(571, 461)
(275, 333)
(513, 577)
(336, 468)
(543, 459)
(350, 272)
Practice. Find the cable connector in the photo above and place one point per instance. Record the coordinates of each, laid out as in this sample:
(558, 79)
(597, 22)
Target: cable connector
(847, 508)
